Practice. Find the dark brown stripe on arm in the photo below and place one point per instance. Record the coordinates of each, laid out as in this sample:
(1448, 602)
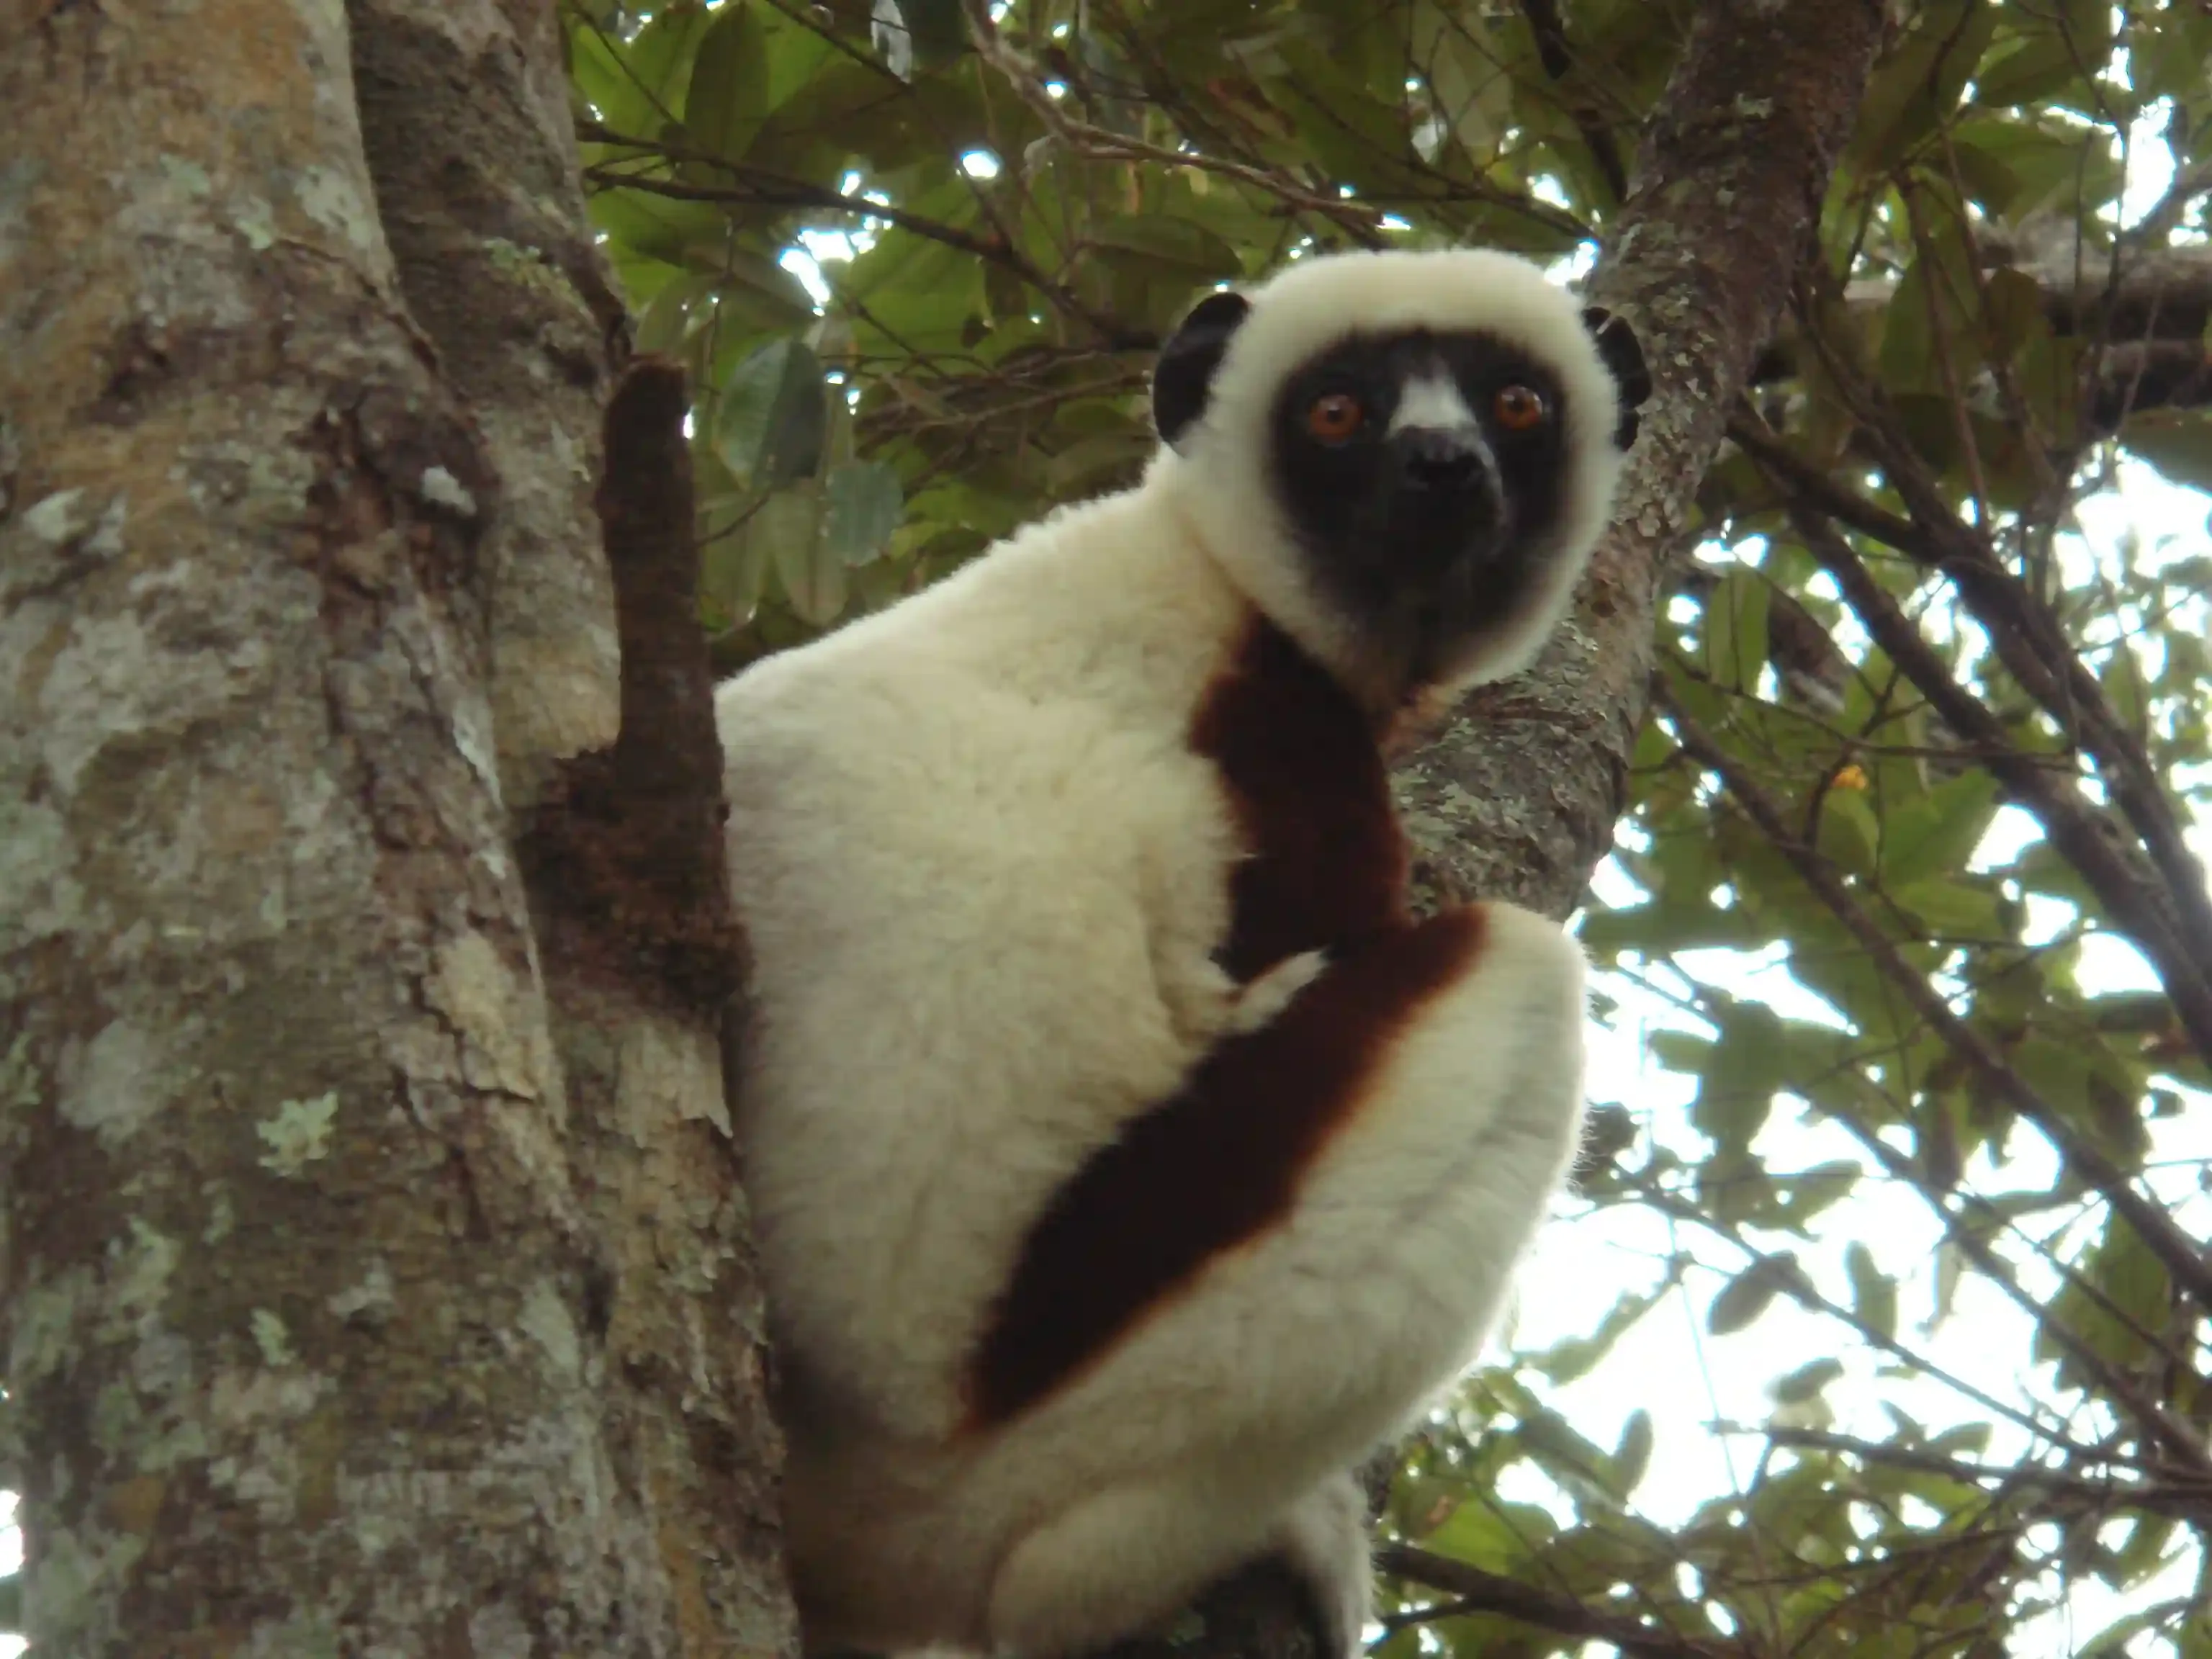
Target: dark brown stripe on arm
(1209, 1169)
(1312, 798)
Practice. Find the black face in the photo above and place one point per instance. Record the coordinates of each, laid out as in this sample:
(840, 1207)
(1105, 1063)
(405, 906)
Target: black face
(1424, 473)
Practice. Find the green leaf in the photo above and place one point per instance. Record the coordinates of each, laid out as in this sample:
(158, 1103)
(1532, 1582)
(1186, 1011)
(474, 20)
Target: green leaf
(1661, 929)
(2132, 1280)
(2039, 66)
(1632, 1456)
(728, 98)
(1576, 1356)
(1937, 834)
(1735, 629)
(1743, 1299)
(1563, 1452)
(773, 415)
(2012, 313)
(812, 578)
(2086, 1082)
(2178, 442)
(733, 562)
(660, 325)
(2050, 166)
(634, 84)
(672, 232)
(1740, 1074)
(1810, 1191)
(937, 30)
(919, 295)
(758, 295)
(1919, 82)
(1483, 1533)
(1806, 1381)
(1874, 1293)
(863, 505)
(1849, 834)
(1454, 50)
(1954, 910)
(1934, 310)
(601, 71)
(1179, 245)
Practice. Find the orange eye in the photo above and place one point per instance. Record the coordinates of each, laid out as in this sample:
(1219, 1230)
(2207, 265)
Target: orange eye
(1335, 417)
(1518, 407)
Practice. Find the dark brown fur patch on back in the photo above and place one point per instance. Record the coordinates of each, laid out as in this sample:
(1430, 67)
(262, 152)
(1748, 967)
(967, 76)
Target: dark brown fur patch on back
(1219, 1162)
(1210, 1168)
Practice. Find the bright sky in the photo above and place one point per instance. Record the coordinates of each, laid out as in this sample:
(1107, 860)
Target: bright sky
(1688, 1380)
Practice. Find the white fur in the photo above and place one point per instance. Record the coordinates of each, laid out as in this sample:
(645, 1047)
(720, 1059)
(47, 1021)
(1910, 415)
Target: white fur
(1213, 478)
(982, 877)
(1432, 400)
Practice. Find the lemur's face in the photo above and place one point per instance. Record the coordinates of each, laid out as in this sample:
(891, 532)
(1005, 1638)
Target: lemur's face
(1422, 468)
(1408, 457)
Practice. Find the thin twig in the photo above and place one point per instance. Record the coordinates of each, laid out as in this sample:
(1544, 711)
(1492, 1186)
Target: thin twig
(759, 187)
(1490, 1592)
(2187, 1498)
(2183, 1256)
(1096, 144)
(2165, 911)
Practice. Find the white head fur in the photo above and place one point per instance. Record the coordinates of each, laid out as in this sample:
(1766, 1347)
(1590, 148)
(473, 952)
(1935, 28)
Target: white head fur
(1241, 350)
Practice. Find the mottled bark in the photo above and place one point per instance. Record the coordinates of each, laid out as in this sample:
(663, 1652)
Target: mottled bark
(624, 862)
(1517, 796)
(351, 1307)
(464, 118)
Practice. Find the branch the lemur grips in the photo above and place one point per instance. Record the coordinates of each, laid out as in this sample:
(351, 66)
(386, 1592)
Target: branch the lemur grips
(1624, 357)
(1126, 1163)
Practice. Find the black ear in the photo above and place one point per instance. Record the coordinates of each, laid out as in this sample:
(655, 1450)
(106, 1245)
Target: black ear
(1184, 374)
(1624, 357)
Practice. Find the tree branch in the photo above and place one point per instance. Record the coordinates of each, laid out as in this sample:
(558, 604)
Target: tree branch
(2033, 645)
(1489, 1592)
(1558, 61)
(2184, 1258)
(2149, 323)
(1517, 795)
(2182, 1497)
(2154, 908)
(760, 187)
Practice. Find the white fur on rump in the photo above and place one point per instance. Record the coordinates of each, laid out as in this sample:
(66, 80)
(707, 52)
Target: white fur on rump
(983, 875)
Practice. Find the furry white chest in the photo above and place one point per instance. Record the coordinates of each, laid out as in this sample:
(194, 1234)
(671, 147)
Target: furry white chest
(1126, 1162)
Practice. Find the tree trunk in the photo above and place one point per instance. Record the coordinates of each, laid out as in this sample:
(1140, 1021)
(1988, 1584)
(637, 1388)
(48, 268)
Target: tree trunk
(1517, 797)
(368, 1288)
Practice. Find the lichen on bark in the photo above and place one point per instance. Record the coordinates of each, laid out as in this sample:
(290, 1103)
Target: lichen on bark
(304, 1269)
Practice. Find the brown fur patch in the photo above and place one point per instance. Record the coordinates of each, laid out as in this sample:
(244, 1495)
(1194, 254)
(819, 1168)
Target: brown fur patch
(1221, 1161)
(1301, 762)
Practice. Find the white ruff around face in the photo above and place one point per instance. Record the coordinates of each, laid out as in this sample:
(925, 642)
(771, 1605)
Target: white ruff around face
(1217, 475)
